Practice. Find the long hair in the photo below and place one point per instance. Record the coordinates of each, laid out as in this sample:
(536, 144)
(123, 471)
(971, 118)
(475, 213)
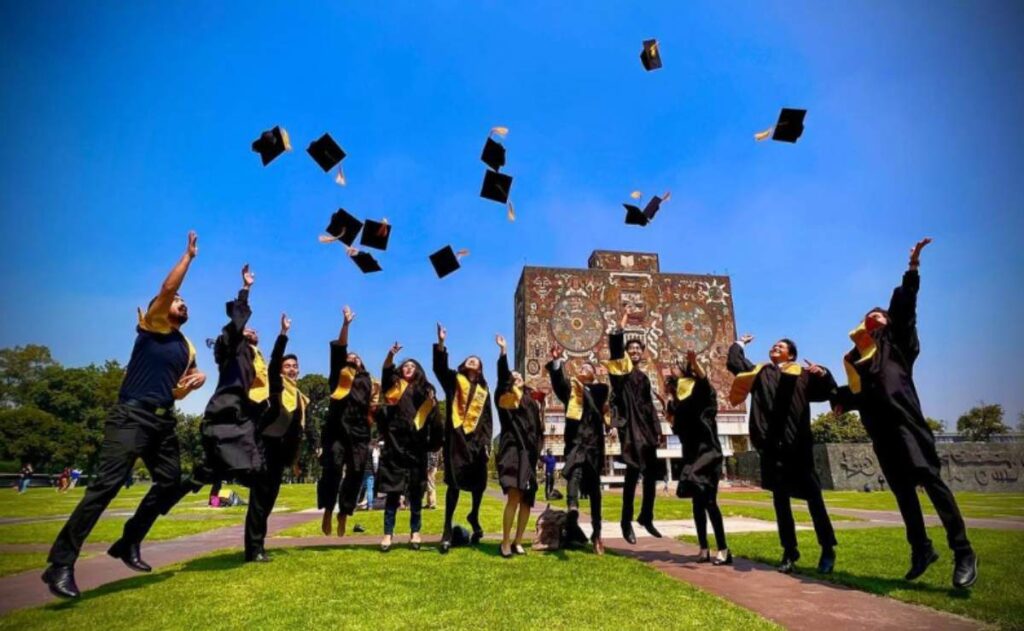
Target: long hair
(480, 379)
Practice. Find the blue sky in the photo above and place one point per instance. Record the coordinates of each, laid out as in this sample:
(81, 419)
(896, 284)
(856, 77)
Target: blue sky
(127, 125)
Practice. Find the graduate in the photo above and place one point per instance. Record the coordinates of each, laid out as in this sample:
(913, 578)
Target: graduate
(346, 433)
(522, 436)
(585, 401)
(639, 429)
(410, 428)
(280, 435)
(467, 435)
(161, 370)
(780, 430)
(880, 371)
(693, 408)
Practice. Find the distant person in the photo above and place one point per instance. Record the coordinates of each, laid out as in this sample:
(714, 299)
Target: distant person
(25, 477)
(64, 480)
(549, 473)
(76, 475)
(162, 368)
(369, 478)
(432, 462)
(880, 371)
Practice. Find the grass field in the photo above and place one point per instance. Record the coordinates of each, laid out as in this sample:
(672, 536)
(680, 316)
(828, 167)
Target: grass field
(875, 560)
(359, 588)
(14, 562)
(972, 504)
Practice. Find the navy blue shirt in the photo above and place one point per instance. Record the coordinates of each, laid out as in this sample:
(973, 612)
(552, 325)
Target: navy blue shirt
(158, 362)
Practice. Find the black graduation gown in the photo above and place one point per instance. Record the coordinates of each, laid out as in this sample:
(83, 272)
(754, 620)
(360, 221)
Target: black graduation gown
(694, 422)
(347, 419)
(278, 423)
(229, 422)
(465, 455)
(521, 440)
(780, 423)
(633, 414)
(403, 460)
(888, 403)
(584, 439)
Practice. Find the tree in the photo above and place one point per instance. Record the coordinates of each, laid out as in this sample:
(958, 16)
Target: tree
(936, 425)
(315, 387)
(28, 434)
(845, 428)
(190, 440)
(20, 367)
(981, 422)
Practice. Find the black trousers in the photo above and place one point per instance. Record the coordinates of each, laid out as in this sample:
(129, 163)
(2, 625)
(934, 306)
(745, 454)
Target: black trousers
(130, 433)
(591, 485)
(549, 483)
(650, 487)
(451, 502)
(263, 494)
(787, 527)
(705, 507)
(342, 455)
(944, 503)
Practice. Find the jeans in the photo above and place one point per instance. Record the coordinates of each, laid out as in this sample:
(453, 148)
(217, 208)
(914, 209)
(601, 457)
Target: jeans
(368, 485)
(391, 502)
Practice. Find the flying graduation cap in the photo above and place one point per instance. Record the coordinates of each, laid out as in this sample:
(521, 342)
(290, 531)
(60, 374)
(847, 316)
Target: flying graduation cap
(496, 186)
(271, 144)
(343, 227)
(637, 217)
(788, 129)
(446, 260)
(650, 56)
(364, 261)
(328, 155)
(376, 234)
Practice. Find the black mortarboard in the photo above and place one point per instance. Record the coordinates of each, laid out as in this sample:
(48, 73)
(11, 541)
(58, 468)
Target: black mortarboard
(635, 216)
(788, 129)
(271, 144)
(497, 186)
(652, 207)
(493, 155)
(376, 234)
(445, 261)
(366, 263)
(326, 152)
(344, 227)
(650, 56)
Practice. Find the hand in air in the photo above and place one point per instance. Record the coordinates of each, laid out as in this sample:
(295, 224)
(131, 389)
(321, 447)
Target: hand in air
(813, 368)
(248, 277)
(286, 323)
(348, 314)
(556, 351)
(746, 338)
(442, 333)
(500, 340)
(395, 348)
(193, 244)
(915, 252)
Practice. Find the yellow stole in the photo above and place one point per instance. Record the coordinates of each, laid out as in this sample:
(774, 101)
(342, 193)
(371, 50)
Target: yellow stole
(158, 323)
(259, 391)
(619, 367)
(744, 381)
(866, 348)
(346, 378)
(684, 388)
(466, 413)
(510, 400)
(394, 395)
(574, 408)
(292, 397)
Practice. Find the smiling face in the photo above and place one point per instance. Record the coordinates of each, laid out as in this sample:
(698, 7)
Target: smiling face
(354, 359)
(472, 367)
(635, 351)
(290, 367)
(178, 314)
(408, 370)
(780, 352)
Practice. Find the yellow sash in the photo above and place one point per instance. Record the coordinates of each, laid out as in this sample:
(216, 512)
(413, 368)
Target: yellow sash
(292, 397)
(424, 410)
(684, 388)
(510, 400)
(158, 323)
(866, 348)
(346, 378)
(619, 367)
(744, 381)
(259, 391)
(394, 395)
(466, 413)
(574, 409)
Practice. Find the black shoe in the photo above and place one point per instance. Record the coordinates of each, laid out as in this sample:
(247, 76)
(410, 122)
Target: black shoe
(260, 556)
(358, 528)
(788, 563)
(827, 561)
(720, 561)
(445, 546)
(704, 556)
(648, 524)
(384, 547)
(965, 570)
(130, 555)
(477, 535)
(919, 562)
(61, 581)
(503, 554)
(627, 532)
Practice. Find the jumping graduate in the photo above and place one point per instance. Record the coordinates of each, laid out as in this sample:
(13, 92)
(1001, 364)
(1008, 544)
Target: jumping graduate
(693, 407)
(880, 371)
(467, 435)
(346, 434)
(280, 435)
(522, 437)
(162, 369)
(780, 430)
(634, 416)
(410, 428)
(585, 427)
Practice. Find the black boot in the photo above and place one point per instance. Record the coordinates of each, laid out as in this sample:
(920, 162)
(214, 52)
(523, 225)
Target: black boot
(446, 541)
(627, 532)
(789, 559)
(61, 581)
(130, 555)
(919, 562)
(965, 569)
(574, 535)
(648, 524)
(258, 556)
(478, 532)
(827, 561)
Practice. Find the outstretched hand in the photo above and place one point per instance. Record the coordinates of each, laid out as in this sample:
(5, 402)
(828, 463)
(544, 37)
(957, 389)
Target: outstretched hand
(193, 244)
(442, 333)
(248, 278)
(813, 368)
(746, 338)
(500, 340)
(395, 348)
(556, 351)
(348, 314)
(286, 323)
(915, 252)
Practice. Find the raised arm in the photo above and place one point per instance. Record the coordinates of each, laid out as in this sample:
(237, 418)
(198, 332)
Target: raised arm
(339, 349)
(238, 310)
(903, 305)
(277, 356)
(445, 375)
(559, 384)
(737, 361)
(169, 289)
(504, 374)
(389, 375)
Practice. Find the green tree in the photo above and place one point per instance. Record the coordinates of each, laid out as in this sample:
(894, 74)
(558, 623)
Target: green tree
(936, 425)
(981, 422)
(315, 387)
(28, 434)
(20, 367)
(190, 440)
(845, 428)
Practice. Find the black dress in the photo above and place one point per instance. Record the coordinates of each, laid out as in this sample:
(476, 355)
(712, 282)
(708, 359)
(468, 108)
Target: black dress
(410, 428)
(633, 412)
(522, 436)
(584, 437)
(465, 453)
(694, 422)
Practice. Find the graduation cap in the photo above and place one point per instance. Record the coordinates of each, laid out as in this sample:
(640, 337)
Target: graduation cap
(650, 56)
(364, 261)
(494, 154)
(271, 144)
(328, 155)
(496, 186)
(637, 217)
(788, 129)
(376, 234)
(446, 260)
(343, 227)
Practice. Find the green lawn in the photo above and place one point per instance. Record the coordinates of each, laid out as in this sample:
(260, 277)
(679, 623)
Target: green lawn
(972, 504)
(360, 588)
(109, 529)
(875, 560)
(14, 562)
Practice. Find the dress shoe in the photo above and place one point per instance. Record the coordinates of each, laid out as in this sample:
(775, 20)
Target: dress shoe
(130, 555)
(358, 528)
(385, 545)
(648, 524)
(965, 569)
(788, 562)
(722, 560)
(504, 555)
(627, 532)
(919, 562)
(446, 545)
(518, 548)
(260, 556)
(61, 581)
(414, 541)
(478, 532)
(704, 556)
(827, 560)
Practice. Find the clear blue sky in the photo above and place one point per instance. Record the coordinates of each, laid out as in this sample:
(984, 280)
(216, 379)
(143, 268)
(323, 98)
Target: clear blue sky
(127, 124)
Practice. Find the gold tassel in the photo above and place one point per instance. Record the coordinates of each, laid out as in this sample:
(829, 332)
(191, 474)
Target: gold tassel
(339, 179)
(511, 211)
(499, 131)
(461, 253)
(764, 135)
(326, 238)
(636, 194)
